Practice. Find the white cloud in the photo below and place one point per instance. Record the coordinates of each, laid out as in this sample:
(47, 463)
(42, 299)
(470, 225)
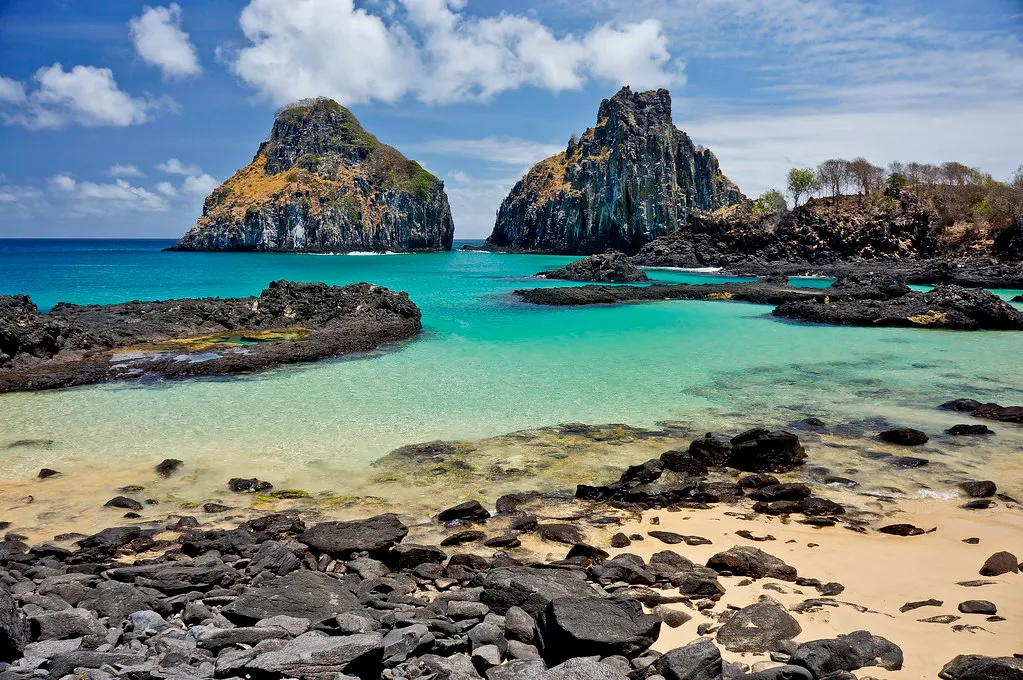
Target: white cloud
(504, 150)
(807, 80)
(86, 95)
(432, 50)
(199, 185)
(196, 182)
(91, 198)
(756, 150)
(173, 166)
(11, 91)
(474, 201)
(124, 170)
(159, 40)
(166, 188)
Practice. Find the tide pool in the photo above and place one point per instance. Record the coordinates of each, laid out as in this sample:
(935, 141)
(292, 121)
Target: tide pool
(485, 365)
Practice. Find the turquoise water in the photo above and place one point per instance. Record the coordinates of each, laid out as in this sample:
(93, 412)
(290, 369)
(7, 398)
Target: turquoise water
(485, 365)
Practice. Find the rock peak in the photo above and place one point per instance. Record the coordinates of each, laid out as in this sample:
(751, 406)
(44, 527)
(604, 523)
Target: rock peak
(315, 126)
(322, 183)
(641, 109)
(632, 177)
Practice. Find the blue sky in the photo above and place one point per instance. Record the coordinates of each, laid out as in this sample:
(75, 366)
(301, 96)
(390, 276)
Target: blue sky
(118, 117)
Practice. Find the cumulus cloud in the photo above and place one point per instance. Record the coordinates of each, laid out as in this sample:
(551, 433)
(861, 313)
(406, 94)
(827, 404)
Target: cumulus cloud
(173, 166)
(85, 95)
(159, 40)
(199, 185)
(166, 188)
(124, 170)
(11, 91)
(432, 50)
(196, 182)
(92, 198)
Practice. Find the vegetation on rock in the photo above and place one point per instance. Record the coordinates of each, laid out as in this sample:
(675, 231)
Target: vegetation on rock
(630, 178)
(321, 182)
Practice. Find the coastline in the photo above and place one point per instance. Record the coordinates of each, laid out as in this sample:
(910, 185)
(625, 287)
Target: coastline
(877, 573)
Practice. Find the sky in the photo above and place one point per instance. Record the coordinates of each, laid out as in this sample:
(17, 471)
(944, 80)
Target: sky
(117, 117)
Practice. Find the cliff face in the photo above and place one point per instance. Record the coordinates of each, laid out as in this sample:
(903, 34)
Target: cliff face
(631, 178)
(321, 183)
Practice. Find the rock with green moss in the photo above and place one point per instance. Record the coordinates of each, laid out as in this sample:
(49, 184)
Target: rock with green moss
(322, 183)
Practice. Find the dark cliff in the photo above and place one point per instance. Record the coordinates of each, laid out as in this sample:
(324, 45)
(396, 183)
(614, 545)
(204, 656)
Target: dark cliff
(893, 226)
(631, 178)
(321, 183)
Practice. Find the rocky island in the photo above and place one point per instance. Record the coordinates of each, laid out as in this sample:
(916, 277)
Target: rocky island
(321, 183)
(287, 323)
(632, 177)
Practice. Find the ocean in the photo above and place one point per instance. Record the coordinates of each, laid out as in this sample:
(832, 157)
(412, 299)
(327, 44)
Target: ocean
(485, 365)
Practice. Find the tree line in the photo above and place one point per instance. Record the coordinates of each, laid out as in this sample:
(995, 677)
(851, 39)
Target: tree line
(952, 183)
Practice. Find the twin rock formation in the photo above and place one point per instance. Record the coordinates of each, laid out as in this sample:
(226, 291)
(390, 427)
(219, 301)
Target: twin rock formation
(322, 183)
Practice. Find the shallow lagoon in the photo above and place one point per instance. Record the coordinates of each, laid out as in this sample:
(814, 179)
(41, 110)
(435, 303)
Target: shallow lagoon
(485, 365)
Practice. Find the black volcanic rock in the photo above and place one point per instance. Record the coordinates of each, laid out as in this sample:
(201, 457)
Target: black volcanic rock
(322, 183)
(630, 178)
(287, 323)
(374, 535)
(592, 626)
(947, 307)
(610, 267)
(765, 451)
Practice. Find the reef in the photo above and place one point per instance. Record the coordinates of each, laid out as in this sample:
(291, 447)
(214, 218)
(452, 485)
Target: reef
(858, 301)
(287, 323)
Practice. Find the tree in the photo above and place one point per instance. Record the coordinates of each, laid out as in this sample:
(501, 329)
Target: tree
(895, 184)
(802, 182)
(866, 176)
(833, 175)
(771, 202)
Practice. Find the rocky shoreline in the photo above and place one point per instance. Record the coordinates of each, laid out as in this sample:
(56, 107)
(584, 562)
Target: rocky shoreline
(287, 323)
(852, 300)
(536, 586)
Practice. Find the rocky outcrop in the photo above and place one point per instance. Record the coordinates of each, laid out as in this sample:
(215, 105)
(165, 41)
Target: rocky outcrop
(948, 307)
(629, 179)
(902, 232)
(322, 183)
(856, 303)
(613, 267)
(287, 323)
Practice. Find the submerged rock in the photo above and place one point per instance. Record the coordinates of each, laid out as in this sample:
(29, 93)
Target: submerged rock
(905, 436)
(613, 267)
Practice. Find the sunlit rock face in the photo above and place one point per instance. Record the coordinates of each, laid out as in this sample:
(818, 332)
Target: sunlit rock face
(631, 178)
(322, 183)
